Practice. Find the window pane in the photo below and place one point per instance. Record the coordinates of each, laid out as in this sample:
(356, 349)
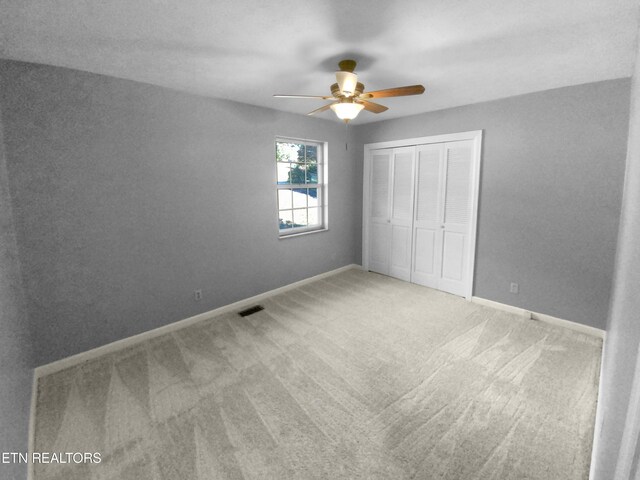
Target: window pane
(312, 173)
(298, 153)
(299, 197)
(289, 152)
(284, 199)
(283, 173)
(286, 219)
(313, 216)
(312, 197)
(312, 154)
(298, 173)
(300, 217)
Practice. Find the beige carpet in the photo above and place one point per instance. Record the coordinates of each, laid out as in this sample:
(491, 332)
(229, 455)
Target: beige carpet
(358, 376)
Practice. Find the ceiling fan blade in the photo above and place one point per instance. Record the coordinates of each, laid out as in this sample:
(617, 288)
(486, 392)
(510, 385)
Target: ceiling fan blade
(394, 92)
(373, 107)
(321, 109)
(304, 96)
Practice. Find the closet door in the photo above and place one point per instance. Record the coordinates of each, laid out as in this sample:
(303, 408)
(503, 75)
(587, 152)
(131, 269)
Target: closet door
(379, 211)
(428, 225)
(457, 211)
(401, 218)
(421, 205)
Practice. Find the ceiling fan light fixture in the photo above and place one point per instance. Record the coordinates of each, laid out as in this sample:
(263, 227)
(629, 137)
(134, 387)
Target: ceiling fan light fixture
(349, 96)
(347, 83)
(347, 110)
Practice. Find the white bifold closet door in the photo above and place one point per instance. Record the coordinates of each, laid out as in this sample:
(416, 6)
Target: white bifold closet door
(427, 226)
(420, 214)
(379, 221)
(391, 212)
(401, 218)
(442, 223)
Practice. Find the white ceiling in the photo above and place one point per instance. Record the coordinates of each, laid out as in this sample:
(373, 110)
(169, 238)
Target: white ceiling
(463, 51)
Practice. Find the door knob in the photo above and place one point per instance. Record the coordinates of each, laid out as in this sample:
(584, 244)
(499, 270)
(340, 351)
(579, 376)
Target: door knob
(441, 226)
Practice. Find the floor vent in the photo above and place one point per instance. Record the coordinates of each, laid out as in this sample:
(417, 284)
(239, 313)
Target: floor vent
(251, 310)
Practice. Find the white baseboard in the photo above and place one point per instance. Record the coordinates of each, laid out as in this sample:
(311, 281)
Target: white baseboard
(559, 322)
(126, 342)
(501, 306)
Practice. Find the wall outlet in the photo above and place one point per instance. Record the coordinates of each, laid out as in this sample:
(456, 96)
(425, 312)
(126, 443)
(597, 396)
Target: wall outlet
(514, 288)
(197, 295)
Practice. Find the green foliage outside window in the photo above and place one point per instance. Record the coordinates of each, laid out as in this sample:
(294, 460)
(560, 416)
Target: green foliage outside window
(306, 170)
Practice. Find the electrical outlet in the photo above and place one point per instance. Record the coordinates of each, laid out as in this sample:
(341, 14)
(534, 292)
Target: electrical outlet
(514, 288)
(197, 295)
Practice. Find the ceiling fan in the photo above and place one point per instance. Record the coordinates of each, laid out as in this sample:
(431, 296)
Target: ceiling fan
(349, 95)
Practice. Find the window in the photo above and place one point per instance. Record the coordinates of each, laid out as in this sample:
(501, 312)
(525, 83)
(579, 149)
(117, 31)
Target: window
(300, 166)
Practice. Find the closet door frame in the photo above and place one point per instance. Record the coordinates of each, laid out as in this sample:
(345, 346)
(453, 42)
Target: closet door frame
(476, 137)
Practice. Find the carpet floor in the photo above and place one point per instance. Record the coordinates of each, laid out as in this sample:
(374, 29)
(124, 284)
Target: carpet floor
(356, 376)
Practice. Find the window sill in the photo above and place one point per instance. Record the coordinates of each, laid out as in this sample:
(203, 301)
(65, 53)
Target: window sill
(291, 235)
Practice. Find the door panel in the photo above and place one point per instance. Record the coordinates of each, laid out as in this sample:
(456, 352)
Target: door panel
(452, 256)
(425, 271)
(402, 185)
(425, 249)
(427, 231)
(379, 248)
(401, 252)
(457, 205)
(380, 185)
(401, 212)
(428, 183)
(379, 221)
(456, 216)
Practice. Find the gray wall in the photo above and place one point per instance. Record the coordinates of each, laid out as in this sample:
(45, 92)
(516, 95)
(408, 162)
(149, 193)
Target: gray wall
(623, 329)
(551, 185)
(128, 197)
(15, 346)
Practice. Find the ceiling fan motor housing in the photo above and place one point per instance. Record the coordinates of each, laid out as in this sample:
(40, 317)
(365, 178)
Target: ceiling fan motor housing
(335, 90)
(347, 65)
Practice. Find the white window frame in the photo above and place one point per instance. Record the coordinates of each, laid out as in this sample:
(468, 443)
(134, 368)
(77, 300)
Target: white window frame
(321, 185)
